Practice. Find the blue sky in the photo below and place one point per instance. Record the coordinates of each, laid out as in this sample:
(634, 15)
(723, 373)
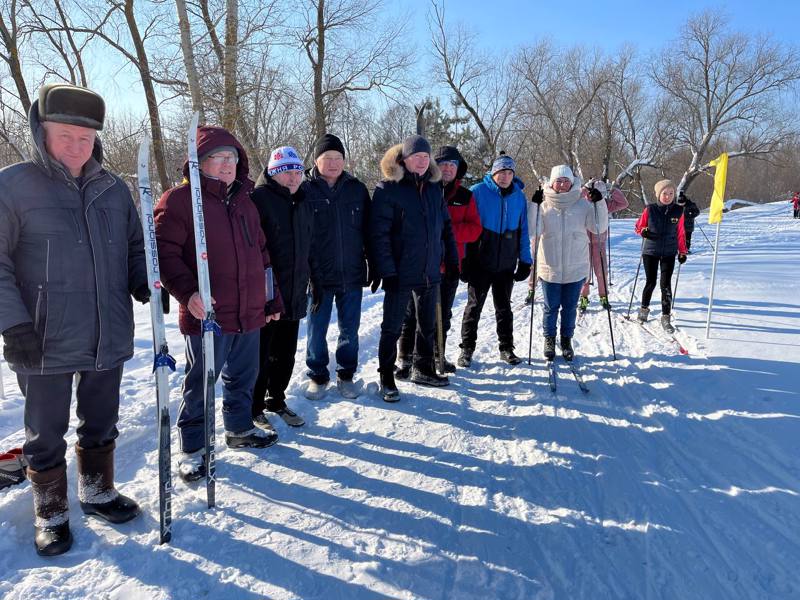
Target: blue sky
(608, 24)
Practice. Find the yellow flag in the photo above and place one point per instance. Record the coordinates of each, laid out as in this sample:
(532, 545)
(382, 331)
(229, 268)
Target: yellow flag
(717, 199)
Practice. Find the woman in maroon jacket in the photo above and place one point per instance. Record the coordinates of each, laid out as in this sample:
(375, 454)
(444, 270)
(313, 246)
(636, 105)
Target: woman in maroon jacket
(237, 263)
(466, 223)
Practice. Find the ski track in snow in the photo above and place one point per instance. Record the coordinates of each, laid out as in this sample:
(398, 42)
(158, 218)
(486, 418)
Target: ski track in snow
(675, 477)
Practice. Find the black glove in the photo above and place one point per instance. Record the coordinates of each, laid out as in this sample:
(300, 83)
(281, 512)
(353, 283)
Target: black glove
(595, 195)
(451, 272)
(391, 283)
(142, 293)
(646, 233)
(22, 346)
(682, 199)
(316, 297)
(681, 258)
(373, 279)
(538, 196)
(165, 300)
(374, 284)
(523, 271)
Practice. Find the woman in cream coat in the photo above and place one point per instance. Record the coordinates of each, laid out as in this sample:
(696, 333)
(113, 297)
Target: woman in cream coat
(560, 219)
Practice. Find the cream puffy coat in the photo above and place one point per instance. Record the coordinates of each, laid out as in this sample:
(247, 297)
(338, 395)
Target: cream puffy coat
(563, 255)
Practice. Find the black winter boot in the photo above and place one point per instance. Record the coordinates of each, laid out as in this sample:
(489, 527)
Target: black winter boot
(388, 390)
(465, 358)
(549, 347)
(96, 489)
(403, 372)
(52, 535)
(566, 348)
(425, 374)
(507, 354)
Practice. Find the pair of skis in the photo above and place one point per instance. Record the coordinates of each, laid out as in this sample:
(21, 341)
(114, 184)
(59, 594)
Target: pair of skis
(163, 362)
(552, 376)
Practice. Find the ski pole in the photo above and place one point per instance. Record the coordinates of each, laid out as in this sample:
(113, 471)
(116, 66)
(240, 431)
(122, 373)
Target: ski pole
(705, 236)
(439, 330)
(635, 281)
(608, 239)
(2, 383)
(533, 274)
(603, 274)
(675, 289)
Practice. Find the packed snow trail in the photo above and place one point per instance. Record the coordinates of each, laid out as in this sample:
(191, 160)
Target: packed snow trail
(675, 477)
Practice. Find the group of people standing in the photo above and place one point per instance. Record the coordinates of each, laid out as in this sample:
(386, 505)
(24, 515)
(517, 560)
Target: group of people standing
(286, 247)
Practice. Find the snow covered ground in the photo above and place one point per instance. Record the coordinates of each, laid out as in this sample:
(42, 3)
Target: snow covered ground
(675, 477)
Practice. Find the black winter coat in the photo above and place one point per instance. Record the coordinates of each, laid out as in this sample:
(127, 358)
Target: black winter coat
(341, 218)
(665, 224)
(71, 254)
(690, 212)
(287, 220)
(410, 230)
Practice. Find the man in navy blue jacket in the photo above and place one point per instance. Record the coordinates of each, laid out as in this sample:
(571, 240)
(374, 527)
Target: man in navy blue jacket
(410, 232)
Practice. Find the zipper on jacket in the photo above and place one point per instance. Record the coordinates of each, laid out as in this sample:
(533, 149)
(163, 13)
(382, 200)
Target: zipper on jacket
(104, 212)
(38, 305)
(246, 230)
(78, 231)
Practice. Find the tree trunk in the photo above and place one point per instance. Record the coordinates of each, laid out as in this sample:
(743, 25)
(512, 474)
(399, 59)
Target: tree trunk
(230, 103)
(10, 40)
(188, 59)
(150, 96)
(320, 127)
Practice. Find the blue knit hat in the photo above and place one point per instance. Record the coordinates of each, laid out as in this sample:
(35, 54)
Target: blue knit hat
(503, 162)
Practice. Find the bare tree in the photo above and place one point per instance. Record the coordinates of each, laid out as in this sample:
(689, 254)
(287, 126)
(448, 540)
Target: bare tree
(187, 50)
(561, 87)
(481, 85)
(725, 85)
(346, 55)
(10, 35)
(230, 103)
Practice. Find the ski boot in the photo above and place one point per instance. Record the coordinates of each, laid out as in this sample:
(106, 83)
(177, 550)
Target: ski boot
(644, 312)
(529, 298)
(605, 303)
(192, 465)
(566, 348)
(583, 304)
(666, 325)
(549, 347)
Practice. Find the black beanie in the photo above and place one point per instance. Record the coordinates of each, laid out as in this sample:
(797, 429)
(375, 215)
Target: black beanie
(414, 144)
(72, 105)
(328, 142)
(451, 153)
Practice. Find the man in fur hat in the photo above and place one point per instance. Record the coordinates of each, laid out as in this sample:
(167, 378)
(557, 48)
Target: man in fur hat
(71, 257)
(410, 230)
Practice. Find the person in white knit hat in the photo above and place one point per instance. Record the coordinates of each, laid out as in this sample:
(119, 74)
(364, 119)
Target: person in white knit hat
(559, 217)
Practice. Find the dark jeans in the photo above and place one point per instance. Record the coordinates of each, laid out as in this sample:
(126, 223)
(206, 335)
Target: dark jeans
(395, 306)
(348, 317)
(236, 361)
(409, 333)
(689, 239)
(651, 265)
(501, 285)
(277, 348)
(47, 403)
(563, 296)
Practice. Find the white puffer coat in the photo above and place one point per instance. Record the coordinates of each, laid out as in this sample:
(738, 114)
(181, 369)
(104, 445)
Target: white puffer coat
(563, 255)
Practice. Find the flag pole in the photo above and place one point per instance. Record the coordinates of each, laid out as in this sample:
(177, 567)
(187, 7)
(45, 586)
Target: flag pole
(713, 278)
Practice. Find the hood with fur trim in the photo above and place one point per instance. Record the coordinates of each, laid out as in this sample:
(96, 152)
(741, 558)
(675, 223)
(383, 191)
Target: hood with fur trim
(393, 170)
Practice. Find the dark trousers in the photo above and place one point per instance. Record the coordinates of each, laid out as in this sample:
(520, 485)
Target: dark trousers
(501, 285)
(410, 331)
(651, 265)
(235, 362)
(276, 355)
(47, 410)
(395, 305)
(689, 239)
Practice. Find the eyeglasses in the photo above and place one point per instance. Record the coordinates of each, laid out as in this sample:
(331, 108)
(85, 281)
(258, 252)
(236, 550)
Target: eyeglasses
(220, 159)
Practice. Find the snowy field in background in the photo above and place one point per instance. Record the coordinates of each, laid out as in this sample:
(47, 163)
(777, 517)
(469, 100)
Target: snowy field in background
(675, 477)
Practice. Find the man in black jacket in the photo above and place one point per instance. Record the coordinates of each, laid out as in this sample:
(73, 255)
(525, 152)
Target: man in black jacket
(71, 257)
(340, 204)
(410, 231)
(690, 213)
(287, 222)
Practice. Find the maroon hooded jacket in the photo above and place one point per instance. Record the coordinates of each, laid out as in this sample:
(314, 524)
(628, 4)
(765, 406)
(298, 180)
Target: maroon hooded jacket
(237, 249)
